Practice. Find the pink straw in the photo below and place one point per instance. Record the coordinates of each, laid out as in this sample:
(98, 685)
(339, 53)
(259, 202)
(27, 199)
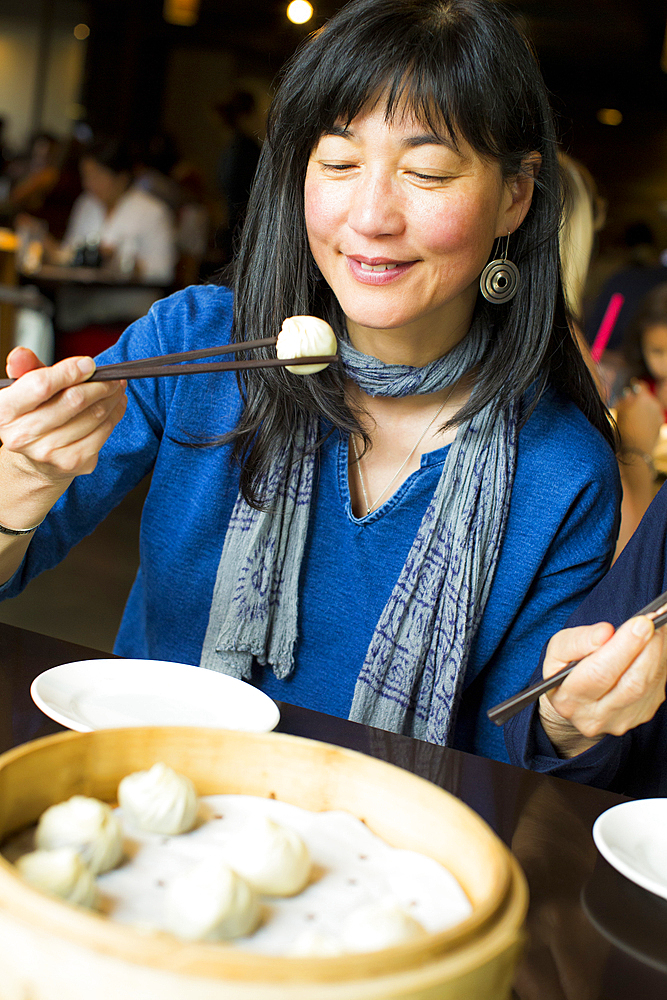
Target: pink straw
(607, 325)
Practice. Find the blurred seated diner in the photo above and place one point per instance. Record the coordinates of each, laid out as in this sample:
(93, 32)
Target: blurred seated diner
(124, 232)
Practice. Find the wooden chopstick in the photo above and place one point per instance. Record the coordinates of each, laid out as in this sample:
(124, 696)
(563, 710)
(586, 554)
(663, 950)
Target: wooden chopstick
(500, 713)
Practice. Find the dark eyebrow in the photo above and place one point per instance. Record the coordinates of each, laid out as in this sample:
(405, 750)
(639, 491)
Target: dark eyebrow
(411, 142)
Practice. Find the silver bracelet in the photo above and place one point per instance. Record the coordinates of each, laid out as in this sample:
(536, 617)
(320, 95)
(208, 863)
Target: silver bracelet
(4, 530)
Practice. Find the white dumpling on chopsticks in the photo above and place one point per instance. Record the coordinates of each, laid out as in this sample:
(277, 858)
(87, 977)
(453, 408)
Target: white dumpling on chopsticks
(159, 800)
(271, 857)
(305, 337)
(379, 925)
(211, 903)
(60, 872)
(87, 825)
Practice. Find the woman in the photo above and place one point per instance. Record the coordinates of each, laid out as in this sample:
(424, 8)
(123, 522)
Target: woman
(412, 524)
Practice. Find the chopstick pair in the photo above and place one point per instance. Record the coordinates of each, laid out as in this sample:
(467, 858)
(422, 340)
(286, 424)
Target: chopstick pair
(500, 713)
(169, 364)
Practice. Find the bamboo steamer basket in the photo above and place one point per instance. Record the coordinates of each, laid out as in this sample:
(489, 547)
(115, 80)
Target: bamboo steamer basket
(50, 950)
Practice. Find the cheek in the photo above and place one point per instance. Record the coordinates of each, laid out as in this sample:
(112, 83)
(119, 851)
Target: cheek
(321, 214)
(461, 226)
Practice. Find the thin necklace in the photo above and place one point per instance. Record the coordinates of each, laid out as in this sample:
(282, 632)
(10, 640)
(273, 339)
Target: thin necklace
(370, 506)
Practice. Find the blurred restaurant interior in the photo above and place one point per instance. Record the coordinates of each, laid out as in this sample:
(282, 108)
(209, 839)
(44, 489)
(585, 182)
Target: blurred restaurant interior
(178, 81)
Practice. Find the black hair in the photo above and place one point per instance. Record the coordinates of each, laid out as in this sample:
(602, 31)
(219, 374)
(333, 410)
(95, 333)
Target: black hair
(652, 311)
(462, 68)
(114, 154)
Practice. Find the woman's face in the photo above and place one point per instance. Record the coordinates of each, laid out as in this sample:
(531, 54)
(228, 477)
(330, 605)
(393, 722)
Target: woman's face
(654, 349)
(401, 225)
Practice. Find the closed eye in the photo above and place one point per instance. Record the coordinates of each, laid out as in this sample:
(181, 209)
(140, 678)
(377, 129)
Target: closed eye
(337, 167)
(428, 177)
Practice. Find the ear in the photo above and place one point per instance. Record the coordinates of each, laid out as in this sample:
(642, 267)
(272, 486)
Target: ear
(518, 194)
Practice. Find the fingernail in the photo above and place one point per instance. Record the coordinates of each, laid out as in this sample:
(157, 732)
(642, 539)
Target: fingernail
(86, 366)
(642, 627)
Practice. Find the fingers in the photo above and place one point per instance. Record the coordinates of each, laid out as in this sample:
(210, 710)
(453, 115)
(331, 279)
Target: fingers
(80, 458)
(20, 361)
(40, 384)
(574, 644)
(52, 420)
(619, 686)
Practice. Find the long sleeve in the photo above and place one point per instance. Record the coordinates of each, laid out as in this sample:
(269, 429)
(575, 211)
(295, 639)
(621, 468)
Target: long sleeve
(634, 763)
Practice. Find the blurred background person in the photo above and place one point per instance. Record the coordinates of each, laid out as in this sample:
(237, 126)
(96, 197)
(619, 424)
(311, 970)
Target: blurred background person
(33, 177)
(133, 228)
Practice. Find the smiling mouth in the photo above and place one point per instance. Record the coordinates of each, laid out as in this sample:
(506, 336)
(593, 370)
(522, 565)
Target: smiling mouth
(377, 267)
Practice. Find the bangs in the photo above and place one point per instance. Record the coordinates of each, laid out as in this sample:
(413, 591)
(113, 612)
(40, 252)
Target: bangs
(419, 59)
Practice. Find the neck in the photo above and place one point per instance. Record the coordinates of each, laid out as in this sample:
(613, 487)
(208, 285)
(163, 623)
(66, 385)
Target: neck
(420, 342)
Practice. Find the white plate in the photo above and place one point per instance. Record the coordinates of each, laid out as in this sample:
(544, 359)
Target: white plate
(111, 694)
(633, 838)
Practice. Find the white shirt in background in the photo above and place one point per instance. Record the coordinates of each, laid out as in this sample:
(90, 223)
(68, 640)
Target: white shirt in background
(140, 229)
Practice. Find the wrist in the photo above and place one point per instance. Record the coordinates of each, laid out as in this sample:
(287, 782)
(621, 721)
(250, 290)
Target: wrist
(563, 735)
(26, 494)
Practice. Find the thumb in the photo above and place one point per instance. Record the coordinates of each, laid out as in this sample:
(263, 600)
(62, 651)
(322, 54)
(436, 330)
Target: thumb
(574, 644)
(20, 361)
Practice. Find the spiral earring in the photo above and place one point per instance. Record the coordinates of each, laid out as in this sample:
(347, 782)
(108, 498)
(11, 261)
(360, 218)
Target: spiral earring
(500, 279)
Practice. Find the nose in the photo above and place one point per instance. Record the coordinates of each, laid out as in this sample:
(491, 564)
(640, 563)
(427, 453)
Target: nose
(375, 206)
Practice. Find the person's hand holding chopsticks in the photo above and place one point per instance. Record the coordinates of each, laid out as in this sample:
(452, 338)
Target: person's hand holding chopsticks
(53, 423)
(618, 685)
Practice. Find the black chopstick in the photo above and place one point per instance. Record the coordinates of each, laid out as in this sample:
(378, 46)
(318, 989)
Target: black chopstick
(506, 709)
(205, 352)
(166, 364)
(151, 371)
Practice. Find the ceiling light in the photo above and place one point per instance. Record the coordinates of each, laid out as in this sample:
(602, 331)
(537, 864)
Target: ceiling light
(185, 13)
(609, 116)
(299, 11)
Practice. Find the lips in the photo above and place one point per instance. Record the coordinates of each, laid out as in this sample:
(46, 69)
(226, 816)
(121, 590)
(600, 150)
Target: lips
(377, 270)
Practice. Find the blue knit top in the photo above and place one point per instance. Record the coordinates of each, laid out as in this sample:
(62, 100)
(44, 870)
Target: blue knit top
(560, 533)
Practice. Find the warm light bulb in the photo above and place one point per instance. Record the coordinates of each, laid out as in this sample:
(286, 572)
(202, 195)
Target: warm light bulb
(609, 116)
(299, 11)
(81, 32)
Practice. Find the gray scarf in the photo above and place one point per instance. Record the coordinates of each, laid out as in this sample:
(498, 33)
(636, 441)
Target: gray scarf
(411, 678)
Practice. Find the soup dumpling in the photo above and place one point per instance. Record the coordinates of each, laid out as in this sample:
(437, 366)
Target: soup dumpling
(379, 925)
(159, 800)
(89, 826)
(305, 337)
(60, 872)
(211, 903)
(273, 858)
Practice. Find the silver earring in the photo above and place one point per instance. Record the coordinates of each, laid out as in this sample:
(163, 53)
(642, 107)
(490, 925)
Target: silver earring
(500, 279)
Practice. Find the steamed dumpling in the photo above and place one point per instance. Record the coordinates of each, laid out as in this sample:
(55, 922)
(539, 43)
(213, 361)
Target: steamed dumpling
(272, 858)
(211, 903)
(311, 943)
(60, 872)
(379, 925)
(159, 800)
(87, 825)
(305, 337)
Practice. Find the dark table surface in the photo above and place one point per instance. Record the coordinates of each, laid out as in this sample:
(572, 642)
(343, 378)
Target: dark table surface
(593, 935)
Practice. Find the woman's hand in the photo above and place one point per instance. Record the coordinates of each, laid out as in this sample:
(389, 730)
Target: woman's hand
(53, 424)
(619, 684)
